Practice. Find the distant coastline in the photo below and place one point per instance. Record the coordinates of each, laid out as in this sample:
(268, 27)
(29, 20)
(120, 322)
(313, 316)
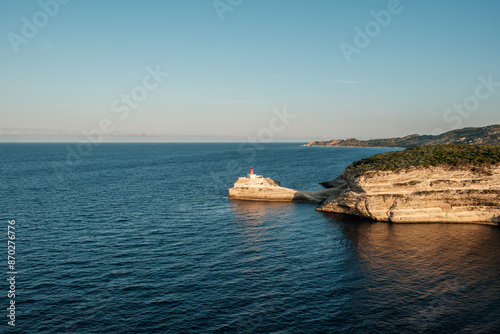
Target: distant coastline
(402, 148)
(487, 135)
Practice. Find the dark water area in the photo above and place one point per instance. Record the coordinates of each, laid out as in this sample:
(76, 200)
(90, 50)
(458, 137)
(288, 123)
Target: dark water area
(141, 238)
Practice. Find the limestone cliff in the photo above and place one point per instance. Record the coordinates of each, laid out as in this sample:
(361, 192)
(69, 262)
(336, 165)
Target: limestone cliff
(431, 183)
(444, 194)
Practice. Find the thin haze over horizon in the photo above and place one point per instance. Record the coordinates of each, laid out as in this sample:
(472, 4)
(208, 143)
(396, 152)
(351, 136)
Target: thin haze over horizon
(238, 70)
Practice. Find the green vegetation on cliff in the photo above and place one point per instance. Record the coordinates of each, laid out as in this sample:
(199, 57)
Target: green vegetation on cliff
(430, 155)
(487, 135)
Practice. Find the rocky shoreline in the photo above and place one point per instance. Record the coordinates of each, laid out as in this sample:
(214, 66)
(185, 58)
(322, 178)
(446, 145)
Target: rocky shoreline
(441, 193)
(420, 194)
(266, 189)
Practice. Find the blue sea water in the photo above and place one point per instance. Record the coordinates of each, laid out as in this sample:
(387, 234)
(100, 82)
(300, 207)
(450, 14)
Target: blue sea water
(141, 238)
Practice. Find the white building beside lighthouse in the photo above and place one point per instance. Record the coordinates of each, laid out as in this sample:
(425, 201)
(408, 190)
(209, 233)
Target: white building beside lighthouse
(253, 180)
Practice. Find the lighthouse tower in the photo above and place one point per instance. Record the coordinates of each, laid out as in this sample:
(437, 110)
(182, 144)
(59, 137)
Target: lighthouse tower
(251, 175)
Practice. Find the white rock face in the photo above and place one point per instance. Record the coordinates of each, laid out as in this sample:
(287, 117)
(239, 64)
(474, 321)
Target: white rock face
(418, 194)
(265, 189)
(260, 189)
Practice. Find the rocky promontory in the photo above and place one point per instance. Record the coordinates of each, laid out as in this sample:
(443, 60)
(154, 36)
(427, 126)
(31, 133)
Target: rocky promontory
(418, 194)
(443, 183)
(432, 183)
(258, 188)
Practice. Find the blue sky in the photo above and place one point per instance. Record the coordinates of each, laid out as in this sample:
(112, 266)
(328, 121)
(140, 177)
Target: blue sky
(228, 79)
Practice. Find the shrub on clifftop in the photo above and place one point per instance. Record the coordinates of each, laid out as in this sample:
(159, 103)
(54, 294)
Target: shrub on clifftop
(430, 155)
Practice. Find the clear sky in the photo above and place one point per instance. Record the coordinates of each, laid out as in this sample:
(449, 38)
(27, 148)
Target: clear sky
(67, 68)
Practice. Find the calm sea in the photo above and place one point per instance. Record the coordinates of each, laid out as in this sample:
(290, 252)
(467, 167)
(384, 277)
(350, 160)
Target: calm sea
(141, 238)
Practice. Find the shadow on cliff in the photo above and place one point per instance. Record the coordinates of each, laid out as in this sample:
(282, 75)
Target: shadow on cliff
(316, 196)
(302, 197)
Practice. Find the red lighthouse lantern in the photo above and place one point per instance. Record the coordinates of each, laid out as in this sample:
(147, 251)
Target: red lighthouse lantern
(251, 170)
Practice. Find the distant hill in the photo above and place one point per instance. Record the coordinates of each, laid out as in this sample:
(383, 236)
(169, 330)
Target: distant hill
(487, 135)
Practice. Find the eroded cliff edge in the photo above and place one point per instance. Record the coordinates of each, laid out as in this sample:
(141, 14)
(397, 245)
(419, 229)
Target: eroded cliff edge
(443, 183)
